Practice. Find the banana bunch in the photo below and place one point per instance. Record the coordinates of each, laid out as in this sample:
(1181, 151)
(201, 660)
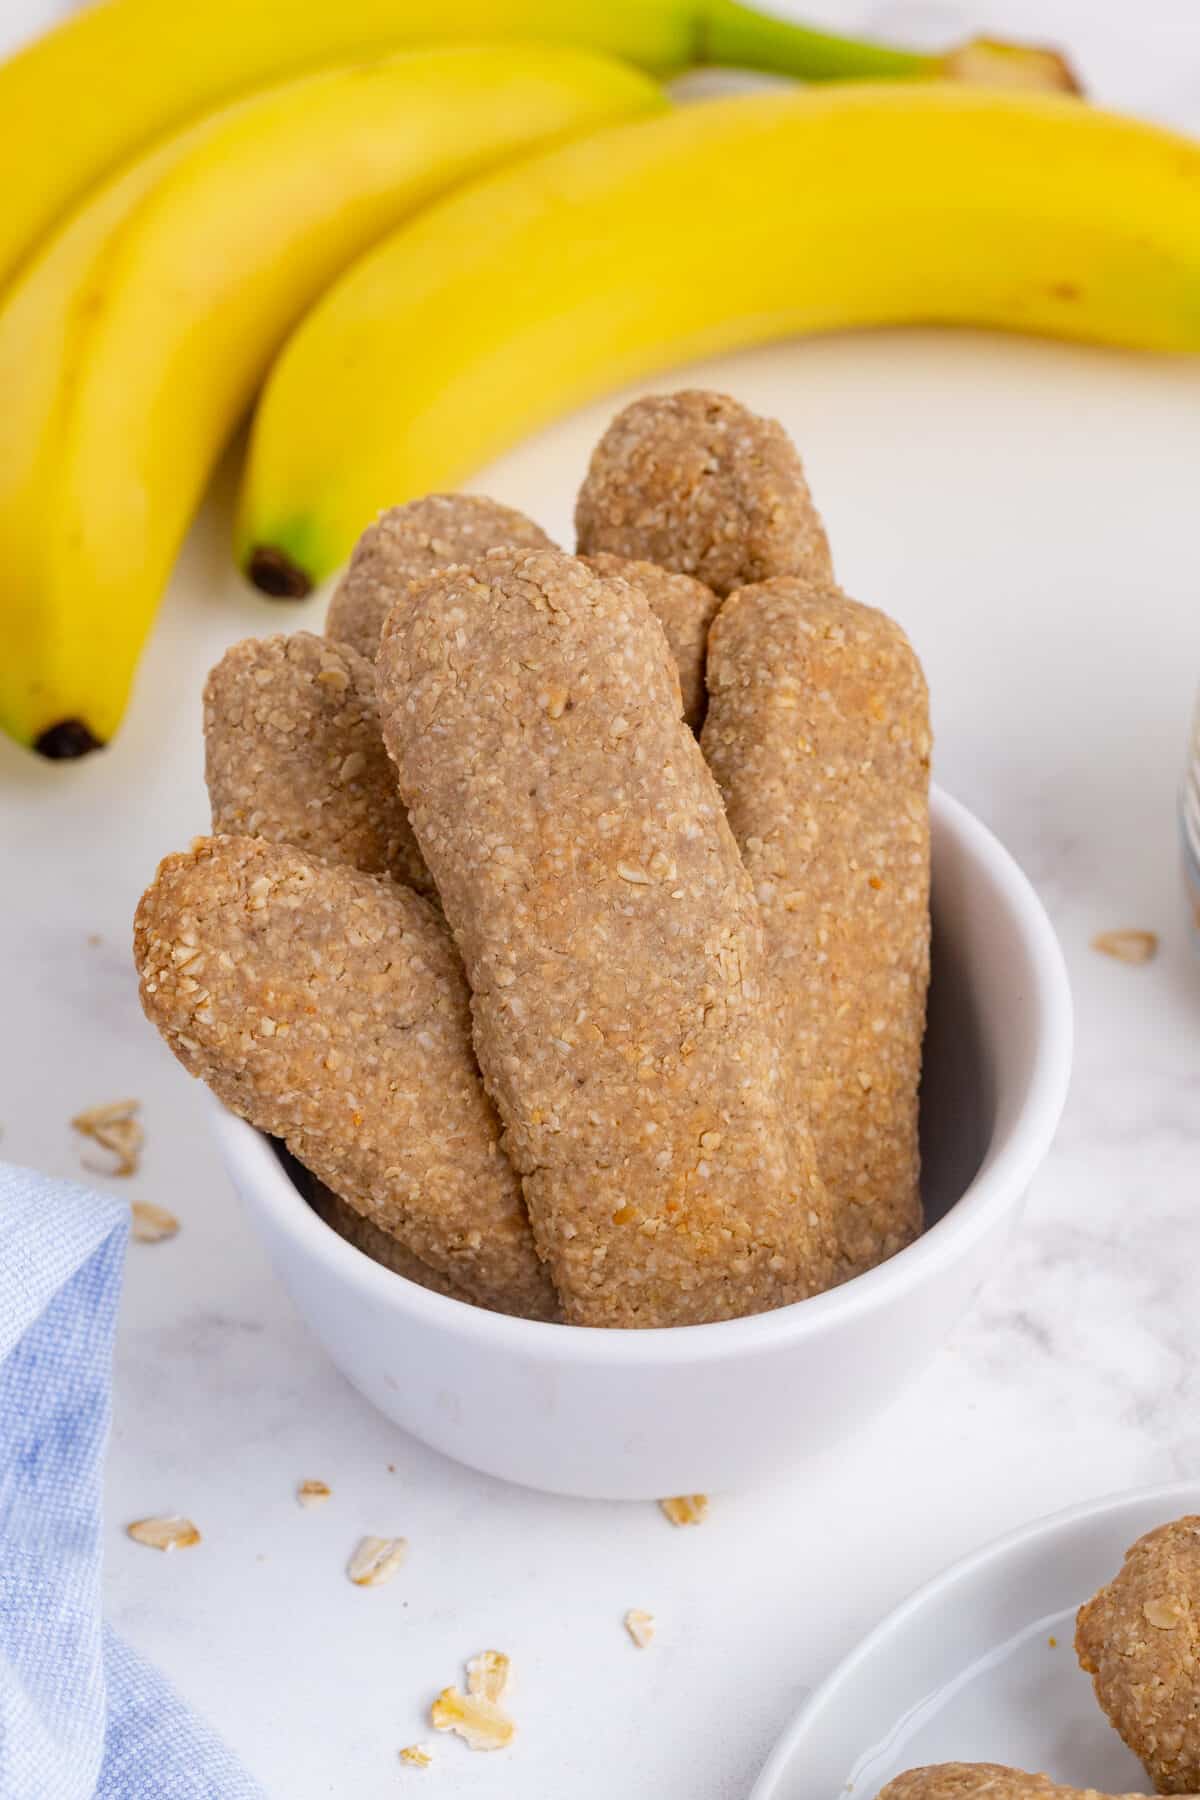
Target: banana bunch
(708, 228)
(135, 341)
(127, 71)
(425, 251)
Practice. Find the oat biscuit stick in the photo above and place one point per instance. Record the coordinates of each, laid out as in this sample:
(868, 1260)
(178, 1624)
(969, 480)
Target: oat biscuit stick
(684, 608)
(409, 542)
(1139, 1640)
(983, 1781)
(696, 482)
(328, 1007)
(610, 938)
(293, 752)
(818, 735)
(356, 1229)
(381, 1246)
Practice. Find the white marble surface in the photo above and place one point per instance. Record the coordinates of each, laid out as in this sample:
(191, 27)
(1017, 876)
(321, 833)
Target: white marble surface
(1028, 512)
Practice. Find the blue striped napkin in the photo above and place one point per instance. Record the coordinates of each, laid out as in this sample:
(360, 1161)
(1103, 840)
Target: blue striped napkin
(82, 1717)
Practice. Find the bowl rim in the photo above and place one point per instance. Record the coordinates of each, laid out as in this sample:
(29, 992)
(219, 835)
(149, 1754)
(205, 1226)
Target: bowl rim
(996, 1187)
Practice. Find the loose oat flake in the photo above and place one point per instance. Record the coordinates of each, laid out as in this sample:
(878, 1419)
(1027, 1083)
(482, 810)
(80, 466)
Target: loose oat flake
(480, 1722)
(151, 1224)
(686, 1509)
(416, 1756)
(114, 1126)
(169, 1533)
(640, 1626)
(1127, 946)
(1164, 1615)
(488, 1673)
(313, 1493)
(376, 1560)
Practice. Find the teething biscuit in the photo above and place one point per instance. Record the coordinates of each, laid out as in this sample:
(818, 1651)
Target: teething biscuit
(412, 541)
(984, 1781)
(1139, 1640)
(610, 937)
(381, 1246)
(293, 753)
(695, 482)
(684, 608)
(328, 1007)
(818, 735)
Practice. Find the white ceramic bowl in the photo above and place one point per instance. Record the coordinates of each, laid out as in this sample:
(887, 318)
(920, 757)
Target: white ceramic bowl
(639, 1414)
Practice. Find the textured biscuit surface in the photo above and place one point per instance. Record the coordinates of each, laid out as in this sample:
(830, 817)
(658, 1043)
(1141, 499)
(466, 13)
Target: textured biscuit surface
(610, 937)
(412, 541)
(983, 1781)
(818, 735)
(293, 752)
(696, 482)
(381, 1246)
(1139, 1640)
(329, 1008)
(684, 608)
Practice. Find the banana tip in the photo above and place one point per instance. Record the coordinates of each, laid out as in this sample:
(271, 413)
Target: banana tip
(273, 572)
(67, 741)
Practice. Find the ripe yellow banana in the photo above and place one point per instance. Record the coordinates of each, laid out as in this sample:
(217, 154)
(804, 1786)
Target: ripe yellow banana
(105, 83)
(131, 347)
(718, 225)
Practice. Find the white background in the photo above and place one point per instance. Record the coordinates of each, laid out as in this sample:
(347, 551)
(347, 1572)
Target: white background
(1028, 511)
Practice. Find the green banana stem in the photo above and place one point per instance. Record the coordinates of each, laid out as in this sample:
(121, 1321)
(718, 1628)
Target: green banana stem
(730, 33)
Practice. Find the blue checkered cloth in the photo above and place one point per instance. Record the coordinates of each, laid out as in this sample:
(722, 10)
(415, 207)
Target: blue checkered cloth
(82, 1717)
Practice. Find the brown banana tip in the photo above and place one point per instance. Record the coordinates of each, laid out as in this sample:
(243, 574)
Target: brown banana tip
(273, 572)
(66, 741)
(991, 62)
(1067, 77)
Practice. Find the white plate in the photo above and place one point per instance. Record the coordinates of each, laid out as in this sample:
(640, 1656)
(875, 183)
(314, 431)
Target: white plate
(966, 1670)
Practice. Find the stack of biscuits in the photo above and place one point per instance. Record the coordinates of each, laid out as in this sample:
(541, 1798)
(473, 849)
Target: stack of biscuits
(567, 917)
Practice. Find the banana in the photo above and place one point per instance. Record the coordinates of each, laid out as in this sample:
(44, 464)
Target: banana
(131, 347)
(723, 224)
(102, 85)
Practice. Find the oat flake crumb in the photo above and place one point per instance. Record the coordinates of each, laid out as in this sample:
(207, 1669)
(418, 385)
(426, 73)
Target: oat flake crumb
(313, 1493)
(151, 1224)
(1164, 1615)
(488, 1674)
(376, 1560)
(1127, 946)
(686, 1509)
(114, 1126)
(640, 1626)
(416, 1756)
(480, 1722)
(169, 1533)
